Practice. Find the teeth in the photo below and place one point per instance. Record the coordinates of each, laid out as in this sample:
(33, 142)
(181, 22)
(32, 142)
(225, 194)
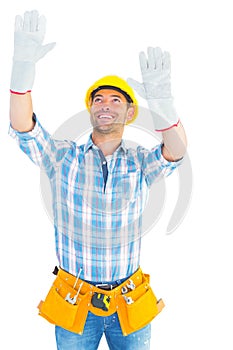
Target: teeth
(105, 116)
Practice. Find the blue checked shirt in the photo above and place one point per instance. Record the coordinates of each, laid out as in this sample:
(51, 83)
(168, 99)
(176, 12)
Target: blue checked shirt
(97, 225)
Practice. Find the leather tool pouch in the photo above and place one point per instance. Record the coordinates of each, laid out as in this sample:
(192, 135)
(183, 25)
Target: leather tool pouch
(68, 307)
(144, 308)
(62, 313)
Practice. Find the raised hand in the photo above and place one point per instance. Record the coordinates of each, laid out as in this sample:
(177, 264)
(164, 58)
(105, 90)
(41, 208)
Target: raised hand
(28, 49)
(156, 87)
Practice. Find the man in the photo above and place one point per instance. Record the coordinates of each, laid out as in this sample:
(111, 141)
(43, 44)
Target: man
(99, 192)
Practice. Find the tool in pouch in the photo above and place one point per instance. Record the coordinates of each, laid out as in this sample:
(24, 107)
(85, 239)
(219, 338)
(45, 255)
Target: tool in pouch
(101, 301)
(73, 300)
(70, 299)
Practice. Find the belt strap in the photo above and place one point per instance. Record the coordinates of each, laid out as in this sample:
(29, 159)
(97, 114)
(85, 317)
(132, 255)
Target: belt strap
(88, 286)
(58, 307)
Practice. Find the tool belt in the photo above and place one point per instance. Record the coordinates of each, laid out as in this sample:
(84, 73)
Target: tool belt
(69, 300)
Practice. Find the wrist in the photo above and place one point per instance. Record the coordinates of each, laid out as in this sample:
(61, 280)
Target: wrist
(19, 93)
(169, 127)
(163, 113)
(22, 77)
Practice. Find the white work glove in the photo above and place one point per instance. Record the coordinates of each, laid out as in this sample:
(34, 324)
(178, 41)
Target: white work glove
(156, 87)
(28, 38)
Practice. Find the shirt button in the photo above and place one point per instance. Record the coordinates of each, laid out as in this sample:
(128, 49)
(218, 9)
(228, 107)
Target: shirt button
(104, 162)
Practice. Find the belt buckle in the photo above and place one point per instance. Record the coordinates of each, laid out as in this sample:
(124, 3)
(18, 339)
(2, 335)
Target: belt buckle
(104, 286)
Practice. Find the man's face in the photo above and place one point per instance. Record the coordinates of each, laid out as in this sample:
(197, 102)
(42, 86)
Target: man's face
(109, 111)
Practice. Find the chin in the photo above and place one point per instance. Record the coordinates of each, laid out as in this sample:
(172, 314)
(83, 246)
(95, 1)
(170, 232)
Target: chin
(104, 129)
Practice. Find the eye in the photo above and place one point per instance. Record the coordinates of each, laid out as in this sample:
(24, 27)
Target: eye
(116, 100)
(97, 100)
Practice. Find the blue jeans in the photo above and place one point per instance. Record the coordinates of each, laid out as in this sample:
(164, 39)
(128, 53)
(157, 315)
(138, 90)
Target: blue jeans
(95, 327)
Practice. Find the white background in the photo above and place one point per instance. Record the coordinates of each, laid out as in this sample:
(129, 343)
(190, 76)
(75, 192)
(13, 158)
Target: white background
(192, 268)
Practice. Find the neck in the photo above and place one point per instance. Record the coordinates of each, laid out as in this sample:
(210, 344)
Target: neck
(107, 143)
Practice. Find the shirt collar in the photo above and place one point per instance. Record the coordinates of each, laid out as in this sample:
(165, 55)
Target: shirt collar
(89, 144)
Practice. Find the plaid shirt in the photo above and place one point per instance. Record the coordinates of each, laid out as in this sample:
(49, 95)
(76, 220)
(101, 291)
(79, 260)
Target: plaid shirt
(97, 225)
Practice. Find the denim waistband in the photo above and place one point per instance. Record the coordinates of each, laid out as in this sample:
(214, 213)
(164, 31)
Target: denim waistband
(117, 282)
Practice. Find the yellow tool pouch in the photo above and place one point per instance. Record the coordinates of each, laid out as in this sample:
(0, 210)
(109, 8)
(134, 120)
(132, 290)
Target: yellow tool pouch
(142, 310)
(68, 307)
(57, 310)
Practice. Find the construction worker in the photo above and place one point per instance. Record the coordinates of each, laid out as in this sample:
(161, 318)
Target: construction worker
(98, 194)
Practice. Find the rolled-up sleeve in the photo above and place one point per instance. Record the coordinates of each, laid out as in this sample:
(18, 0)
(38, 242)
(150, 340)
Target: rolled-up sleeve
(154, 165)
(41, 148)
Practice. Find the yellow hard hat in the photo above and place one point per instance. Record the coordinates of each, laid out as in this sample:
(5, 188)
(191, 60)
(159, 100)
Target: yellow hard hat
(115, 83)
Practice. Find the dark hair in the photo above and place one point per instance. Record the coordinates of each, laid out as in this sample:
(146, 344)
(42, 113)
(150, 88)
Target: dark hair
(102, 87)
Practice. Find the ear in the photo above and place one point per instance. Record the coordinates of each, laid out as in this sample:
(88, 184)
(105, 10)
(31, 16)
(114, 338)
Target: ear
(90, 103)
(130, 113)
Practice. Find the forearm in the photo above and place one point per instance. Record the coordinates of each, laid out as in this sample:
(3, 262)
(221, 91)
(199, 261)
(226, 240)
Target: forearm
(21, 112)
(175, 143)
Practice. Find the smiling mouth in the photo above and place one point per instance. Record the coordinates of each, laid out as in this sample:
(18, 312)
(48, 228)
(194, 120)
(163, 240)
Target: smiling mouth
(105, 116)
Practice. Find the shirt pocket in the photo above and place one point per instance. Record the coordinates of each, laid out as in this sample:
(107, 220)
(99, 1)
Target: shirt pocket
(127, 186)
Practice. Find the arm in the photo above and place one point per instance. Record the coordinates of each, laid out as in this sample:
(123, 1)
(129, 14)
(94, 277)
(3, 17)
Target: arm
(32, 138)
(175, 143)
(21, 112)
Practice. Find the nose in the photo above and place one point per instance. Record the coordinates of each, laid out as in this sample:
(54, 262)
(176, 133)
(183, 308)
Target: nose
(105, 107)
